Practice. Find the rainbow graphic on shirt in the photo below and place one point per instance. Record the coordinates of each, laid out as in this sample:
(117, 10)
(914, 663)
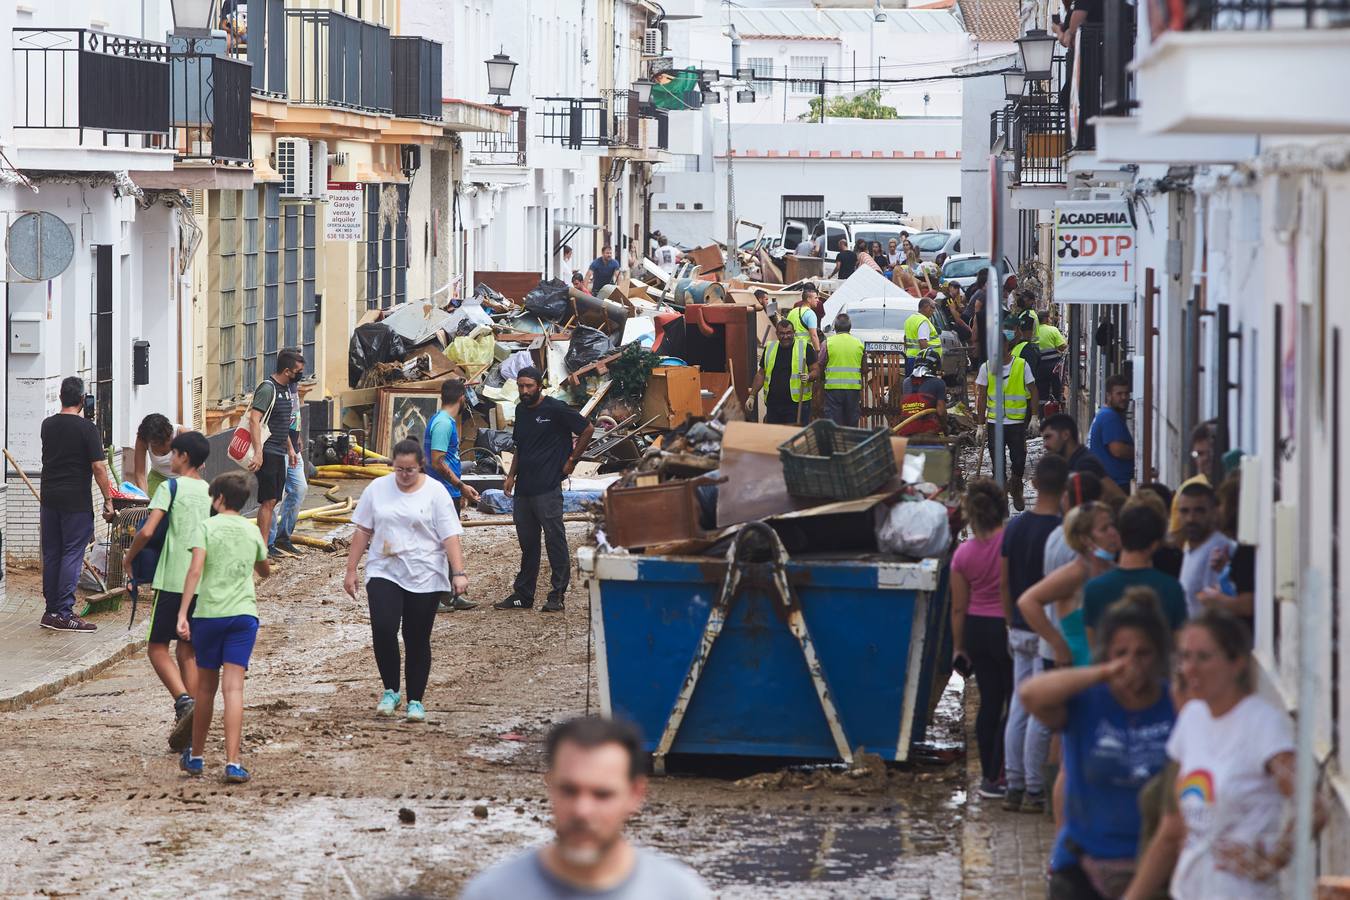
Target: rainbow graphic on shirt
(1196, 787)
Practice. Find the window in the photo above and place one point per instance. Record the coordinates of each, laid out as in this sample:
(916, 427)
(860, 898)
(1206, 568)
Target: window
(887, 204)
(807, 209)
(805, 70)
(929, 241)
(953, 212)
(386, 245)
(763, 68)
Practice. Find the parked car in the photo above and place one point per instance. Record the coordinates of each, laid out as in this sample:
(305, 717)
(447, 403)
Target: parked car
(879, 322)
(932, 242)
(964, 267)
(869, 226)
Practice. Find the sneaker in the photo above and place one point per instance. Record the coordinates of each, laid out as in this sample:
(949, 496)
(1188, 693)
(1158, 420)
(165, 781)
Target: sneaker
(285, 545)
(67, 622)
(515, 601)
(275, 554)
(181, 735)
(193, 765)
(455, 604)
(388, 703)
(554, 604)
(991, 790)
(1019, 498)
(1012, 799)
(416, 712)
(1033, 802)
(236, 774)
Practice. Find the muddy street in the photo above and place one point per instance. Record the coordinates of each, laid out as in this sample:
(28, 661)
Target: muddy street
(93, 803)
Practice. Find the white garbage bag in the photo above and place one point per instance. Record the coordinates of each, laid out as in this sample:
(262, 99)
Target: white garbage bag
(914, 528)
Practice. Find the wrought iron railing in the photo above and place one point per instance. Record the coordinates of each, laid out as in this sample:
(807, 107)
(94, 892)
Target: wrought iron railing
(1039, 130)
(339, 61)
(210, 97)
(257, 33)
(574, 122)
(1084, 87)
(1264, 15)
(82, 80)
(625, 123)
(503, 148)
(1000, 124)
(1117, 54)
(417, 78)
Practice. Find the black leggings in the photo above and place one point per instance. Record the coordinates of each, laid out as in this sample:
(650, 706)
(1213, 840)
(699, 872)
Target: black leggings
(390, 606)
(987, 647)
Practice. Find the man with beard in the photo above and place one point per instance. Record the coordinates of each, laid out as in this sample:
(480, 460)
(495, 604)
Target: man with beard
(596, 782)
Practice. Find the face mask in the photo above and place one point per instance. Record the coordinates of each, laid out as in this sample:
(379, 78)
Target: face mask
(1009, 336)
(1103, 555)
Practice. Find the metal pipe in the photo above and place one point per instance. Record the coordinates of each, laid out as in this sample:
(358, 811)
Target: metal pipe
(1146, 334)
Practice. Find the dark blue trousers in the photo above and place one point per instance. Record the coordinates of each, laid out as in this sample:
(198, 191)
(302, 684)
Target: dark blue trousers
(64, 537)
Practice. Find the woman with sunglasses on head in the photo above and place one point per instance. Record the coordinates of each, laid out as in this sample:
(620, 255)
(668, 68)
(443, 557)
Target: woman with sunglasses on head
(1114, 718)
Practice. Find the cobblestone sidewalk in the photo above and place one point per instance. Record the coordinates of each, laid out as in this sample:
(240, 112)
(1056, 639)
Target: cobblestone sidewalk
(1003, 853)
(37, 662)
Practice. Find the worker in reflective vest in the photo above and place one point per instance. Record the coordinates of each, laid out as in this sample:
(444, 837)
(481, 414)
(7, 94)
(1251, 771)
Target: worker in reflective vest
(921, 334)
(1019, 398)
(805, 316)
(923, 398)
(784, 380)
(843, 374)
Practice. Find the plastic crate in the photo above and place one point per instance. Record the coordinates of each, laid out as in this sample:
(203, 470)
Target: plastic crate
(825, 460)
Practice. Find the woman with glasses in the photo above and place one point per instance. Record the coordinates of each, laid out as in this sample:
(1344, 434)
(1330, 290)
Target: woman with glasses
(408, 522)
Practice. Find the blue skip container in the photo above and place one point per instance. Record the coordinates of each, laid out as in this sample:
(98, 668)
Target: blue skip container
(760, 655)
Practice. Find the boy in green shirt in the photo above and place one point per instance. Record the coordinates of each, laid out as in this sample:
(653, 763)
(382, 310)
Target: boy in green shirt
(226, 551)
(183, 499)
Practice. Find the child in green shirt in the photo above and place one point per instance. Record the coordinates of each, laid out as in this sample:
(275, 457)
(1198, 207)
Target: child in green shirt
(226, 551)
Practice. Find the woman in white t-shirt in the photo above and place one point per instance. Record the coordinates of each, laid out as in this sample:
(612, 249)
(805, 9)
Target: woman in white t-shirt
(409, 523)
(1235, 761)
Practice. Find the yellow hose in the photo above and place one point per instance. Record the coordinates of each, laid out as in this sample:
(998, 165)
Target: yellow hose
(306, 541)
(369, 454)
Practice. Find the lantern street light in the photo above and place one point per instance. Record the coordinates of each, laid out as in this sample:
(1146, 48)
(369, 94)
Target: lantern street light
(1013, 83)
(501, 70)
(1037, 48)
(194, 17)
(643, 88)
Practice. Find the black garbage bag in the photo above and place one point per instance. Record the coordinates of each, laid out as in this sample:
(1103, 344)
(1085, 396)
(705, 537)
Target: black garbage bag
(487, 293)
(587, 345)
(549, 300)
(498, 440)
(372, 344)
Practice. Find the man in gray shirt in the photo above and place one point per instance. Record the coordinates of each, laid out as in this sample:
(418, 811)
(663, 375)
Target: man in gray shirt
(1196, 508)
(596, 782)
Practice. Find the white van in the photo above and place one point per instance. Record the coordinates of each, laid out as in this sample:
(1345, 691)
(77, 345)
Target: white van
(873, 225)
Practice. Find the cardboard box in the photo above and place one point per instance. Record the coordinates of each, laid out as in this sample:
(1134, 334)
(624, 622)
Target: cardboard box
(672, 393)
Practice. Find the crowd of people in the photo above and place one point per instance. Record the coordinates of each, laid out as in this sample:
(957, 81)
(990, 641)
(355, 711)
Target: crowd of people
(1109, 631)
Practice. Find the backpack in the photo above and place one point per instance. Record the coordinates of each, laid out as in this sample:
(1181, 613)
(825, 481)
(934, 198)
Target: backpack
(144, 564)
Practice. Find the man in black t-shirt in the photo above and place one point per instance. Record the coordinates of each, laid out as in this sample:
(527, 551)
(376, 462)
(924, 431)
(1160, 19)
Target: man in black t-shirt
(271, 458)
(545, 454)
(72, 454)
(1060, 435)
(846, 262)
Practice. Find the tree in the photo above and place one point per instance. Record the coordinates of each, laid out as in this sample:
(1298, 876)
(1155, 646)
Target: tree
(866, 105)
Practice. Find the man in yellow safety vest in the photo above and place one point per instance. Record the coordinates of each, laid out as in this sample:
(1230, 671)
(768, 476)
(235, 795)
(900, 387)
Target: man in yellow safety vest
(786, 373)
(805, 316)
(1019, 400)
(921, 334)
(843, 365)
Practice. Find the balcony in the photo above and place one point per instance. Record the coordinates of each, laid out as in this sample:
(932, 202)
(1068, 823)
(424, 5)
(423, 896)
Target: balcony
(339, 61)
(574, 122)
(258, 35)
(625, 128)
(1000, 127)
(417, 78)
(82, 88)
(503, 148)
(1211, 68)
(209, 99)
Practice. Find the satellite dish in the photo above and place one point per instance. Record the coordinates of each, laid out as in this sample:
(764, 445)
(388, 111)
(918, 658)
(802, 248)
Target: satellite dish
(40, 246)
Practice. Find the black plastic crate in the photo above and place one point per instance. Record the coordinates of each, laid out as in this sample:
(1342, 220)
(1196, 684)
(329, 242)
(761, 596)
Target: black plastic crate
(826, 460)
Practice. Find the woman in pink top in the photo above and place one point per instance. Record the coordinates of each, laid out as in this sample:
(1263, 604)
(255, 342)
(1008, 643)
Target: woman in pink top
(979, 631)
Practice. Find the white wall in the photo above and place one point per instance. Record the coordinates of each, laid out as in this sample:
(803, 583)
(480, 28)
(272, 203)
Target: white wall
(980, 98)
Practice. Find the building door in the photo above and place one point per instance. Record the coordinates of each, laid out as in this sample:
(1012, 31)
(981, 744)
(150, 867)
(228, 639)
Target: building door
(806, 209)
(103, 341)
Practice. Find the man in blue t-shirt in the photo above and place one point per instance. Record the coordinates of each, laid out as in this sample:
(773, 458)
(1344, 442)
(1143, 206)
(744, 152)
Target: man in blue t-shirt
(1110, 440)
(603, 270)
(440, 447)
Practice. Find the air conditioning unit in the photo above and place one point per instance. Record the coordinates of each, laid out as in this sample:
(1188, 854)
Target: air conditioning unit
(652, 43)
(318, 171)
(293, 165)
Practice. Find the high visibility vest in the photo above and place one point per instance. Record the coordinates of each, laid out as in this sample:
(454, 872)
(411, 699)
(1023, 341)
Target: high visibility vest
(1048, 337)
(1018, 347)
(912, 324)
(843, 363)
(799, 386)
(1016, 395)
(795, 317)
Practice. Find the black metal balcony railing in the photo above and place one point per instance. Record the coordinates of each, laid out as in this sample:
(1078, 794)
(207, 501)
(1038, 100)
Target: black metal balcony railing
(339, 61)
(574, 122)
(258, 34)
(1000, 126)
(625, 122)
(73, 78)
(1265, 15)
(505, 148)
(1085, 94)
(662, 130)
(1117, 54)
(210, 97)
(417, 78)
(1039, 129)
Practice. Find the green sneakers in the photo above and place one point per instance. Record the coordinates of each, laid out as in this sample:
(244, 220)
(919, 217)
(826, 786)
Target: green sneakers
(416, 713)
(388, 703)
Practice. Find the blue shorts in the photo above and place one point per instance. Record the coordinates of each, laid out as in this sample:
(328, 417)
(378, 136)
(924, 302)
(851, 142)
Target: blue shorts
(227, 640)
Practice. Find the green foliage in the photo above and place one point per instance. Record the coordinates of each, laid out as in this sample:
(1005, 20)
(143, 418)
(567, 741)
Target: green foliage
(631, 371)
(866, 105)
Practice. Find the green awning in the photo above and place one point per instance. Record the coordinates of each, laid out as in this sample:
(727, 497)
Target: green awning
(676, 93)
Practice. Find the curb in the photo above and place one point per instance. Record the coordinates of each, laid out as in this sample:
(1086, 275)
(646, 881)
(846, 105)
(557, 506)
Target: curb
(976, 861)
(81, 673)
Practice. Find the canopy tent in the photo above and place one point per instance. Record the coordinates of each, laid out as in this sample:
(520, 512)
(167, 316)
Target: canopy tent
(864, 284)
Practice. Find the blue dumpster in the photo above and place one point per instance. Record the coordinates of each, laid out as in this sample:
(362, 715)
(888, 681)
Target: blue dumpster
(757, 654)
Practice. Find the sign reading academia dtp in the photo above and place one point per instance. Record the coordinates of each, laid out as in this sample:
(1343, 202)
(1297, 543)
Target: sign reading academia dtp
(346, 208)
(1094, 252)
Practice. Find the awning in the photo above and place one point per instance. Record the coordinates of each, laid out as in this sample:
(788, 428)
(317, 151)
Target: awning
(671, 93)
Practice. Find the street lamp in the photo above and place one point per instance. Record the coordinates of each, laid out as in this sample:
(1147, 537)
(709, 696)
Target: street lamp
(1037, 48)
(745, 95)
(643, 88)
(501, 70)
(193, 17)
(1013, 83)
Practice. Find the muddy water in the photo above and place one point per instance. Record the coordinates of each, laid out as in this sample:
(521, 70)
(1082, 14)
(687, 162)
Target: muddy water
(92, 804)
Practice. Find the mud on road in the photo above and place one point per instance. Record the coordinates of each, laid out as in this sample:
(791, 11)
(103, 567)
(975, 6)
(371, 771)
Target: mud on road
(93, 804)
